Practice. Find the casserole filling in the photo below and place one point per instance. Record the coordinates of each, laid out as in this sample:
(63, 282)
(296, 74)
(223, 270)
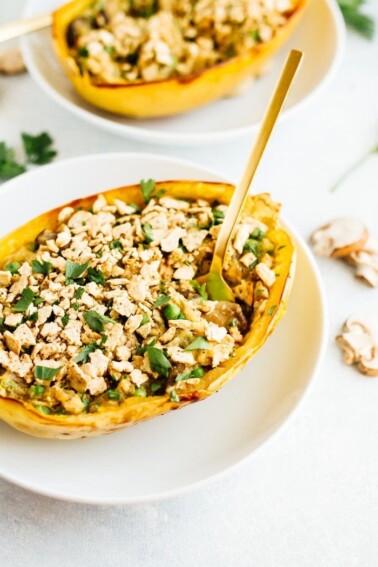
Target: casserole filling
(106, 306)
(121, 41)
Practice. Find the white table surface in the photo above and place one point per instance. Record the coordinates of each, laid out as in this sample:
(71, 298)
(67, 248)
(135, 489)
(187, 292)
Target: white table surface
(310, 498)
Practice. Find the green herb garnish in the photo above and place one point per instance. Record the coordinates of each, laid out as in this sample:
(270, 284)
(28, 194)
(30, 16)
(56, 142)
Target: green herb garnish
(79, 292)
(357, 20)
(65, 320)
(46, 373)
(198, 344)
(75, 270)
(27, 298)
(13, 267)
(145, 320)
(38, 148)
(115, 245)
(173, 396)
(148, 189)
(158, 361)
(41, 267)
(161, 300)
(200, 289)
(96, 276)
(218, 216)
(272, 309)
(255, 35)
(83, 355)
(113, 395)
(195, 373)
(9, 167)
(147, 231)
(96, 321)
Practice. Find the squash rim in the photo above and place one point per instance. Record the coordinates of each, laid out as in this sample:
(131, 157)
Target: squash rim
(89, 423)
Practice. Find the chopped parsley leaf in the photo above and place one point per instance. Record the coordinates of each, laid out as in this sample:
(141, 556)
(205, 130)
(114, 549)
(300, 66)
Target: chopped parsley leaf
(161, 300)
(13, 267)
(147, 231)
(41, 267)
(38, 148)
(75, 270)
(200, 289)
(27, 298)
(158, 361)
(46, 373)
(96, 321)
(198, 344)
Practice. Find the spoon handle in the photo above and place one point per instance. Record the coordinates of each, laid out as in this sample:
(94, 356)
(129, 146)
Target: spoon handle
(23, 27)
(241, 190)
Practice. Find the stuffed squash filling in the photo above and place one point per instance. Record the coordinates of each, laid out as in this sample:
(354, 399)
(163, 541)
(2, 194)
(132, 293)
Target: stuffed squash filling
(105, 306)
(118, 41)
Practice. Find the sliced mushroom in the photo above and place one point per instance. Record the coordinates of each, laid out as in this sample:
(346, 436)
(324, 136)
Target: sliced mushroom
(45, 235)
(355, 346)
(11, 62)
(340, 237)
(366, 262)
(224, 312)
(369, 367)
(359, 342)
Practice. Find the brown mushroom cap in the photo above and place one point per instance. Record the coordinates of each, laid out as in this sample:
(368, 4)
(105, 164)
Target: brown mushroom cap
(340, 237)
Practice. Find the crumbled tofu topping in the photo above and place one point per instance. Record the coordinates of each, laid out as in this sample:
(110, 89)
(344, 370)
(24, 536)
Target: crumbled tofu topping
(107, 307)
(148, 40)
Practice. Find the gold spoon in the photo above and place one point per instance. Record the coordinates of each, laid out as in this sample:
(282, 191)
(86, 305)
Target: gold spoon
(23, 27)
(217, 288)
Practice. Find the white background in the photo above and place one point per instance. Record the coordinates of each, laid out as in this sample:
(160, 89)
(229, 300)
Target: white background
(311, 497)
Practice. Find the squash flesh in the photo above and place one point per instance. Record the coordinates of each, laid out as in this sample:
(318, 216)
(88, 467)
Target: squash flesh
(23, 415)
(174, 95)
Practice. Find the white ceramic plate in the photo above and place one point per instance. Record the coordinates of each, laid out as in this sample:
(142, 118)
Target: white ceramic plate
(184, 449)
(320, 35)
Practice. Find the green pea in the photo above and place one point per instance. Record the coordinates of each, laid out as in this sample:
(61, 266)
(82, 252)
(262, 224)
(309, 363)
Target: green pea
(140, 392)
(113, 395)
(43, 409)
(171, 311)
(36, 390)
(197, 372)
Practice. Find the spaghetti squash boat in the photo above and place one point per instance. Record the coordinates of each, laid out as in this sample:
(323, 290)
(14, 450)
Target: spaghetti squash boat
(149, 58)
(102, 322)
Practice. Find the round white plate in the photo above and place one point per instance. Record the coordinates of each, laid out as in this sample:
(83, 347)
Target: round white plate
(320, 35)
(184, 449)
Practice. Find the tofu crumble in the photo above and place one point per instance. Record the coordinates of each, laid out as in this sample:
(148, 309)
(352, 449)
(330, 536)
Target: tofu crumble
(107, 305)
(121, 41)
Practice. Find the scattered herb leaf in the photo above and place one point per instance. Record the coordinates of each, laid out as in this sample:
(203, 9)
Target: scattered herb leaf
(38, 148)
(46, 373)
(198, 344)
(96, 321)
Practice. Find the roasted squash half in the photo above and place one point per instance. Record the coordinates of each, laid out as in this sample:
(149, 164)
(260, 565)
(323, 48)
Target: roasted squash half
(170, 96)
(16, 247)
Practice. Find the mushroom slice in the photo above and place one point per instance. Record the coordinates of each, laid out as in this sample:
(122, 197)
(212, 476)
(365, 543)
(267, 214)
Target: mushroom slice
(369, 367)
(11, 62)
(340, 237)
(359, 342)
(366, 262)
(224, 312)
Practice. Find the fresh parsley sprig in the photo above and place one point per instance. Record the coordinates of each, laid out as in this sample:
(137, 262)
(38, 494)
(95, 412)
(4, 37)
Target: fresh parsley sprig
(37, 150)
(356, 19)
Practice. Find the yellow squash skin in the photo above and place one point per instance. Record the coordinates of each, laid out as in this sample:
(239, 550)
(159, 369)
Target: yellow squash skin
(170, 96)
(24, 417)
